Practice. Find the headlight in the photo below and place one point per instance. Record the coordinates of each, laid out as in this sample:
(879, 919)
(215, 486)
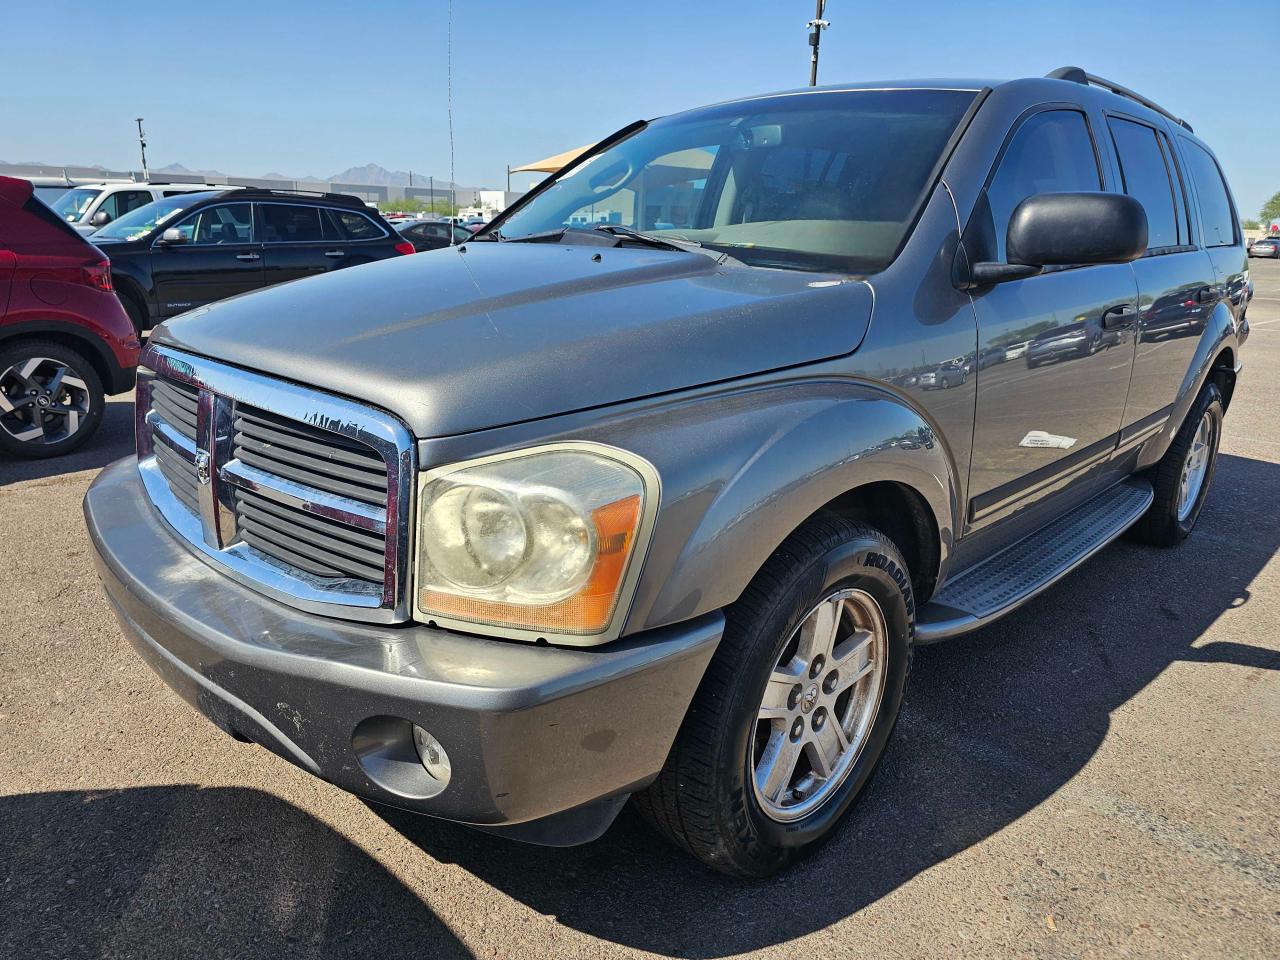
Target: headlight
(544, 542)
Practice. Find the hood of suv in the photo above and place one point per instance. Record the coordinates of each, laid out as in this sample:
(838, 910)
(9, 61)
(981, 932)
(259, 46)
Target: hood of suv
(495, 333)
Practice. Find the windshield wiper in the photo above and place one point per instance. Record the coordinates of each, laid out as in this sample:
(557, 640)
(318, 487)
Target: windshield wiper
(662, 243)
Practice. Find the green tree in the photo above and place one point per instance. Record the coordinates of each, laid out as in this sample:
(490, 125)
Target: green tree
(1270, 209)
(1251, 225)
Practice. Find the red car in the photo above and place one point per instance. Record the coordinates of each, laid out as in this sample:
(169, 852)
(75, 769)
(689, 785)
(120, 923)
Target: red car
(65, 340)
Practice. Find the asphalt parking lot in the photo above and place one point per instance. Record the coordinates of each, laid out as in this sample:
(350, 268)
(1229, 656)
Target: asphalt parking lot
(1096, 775)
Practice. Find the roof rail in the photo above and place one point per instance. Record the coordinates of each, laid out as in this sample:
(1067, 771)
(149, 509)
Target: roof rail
(342, 199)
(1078, 75)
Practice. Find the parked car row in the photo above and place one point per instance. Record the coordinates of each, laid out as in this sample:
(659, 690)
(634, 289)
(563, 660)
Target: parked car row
(1265, 247)
(91, 206)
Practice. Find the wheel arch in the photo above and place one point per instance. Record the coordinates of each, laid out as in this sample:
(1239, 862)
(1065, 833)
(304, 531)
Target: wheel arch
(68, 336)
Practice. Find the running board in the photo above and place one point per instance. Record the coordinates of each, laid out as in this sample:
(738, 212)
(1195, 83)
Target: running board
(1013, 576)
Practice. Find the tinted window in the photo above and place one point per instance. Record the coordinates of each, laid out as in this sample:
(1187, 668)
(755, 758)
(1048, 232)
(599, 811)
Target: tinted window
(1215, 206)
(289, 224)
(357, 226)
(1052, 152)
(1147, 178)
(212, 226)
(125, 201)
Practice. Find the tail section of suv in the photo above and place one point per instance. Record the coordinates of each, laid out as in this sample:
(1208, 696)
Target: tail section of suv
(649, 489)
(65, 342)
(188, 251)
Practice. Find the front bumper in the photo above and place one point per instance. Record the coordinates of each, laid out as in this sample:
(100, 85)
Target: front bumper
(545, 742)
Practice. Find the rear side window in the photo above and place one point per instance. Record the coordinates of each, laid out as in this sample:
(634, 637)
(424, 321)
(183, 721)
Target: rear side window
(1215, 205)
(216, 226)
(357, 226)
(1147, 178)
(289, 224)
(1052, 152)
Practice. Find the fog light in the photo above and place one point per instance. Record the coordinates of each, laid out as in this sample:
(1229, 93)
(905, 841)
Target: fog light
(432, 755)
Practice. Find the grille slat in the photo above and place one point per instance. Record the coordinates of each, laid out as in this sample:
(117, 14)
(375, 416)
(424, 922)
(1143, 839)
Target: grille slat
(251, 517)
(177, 404)
(309, 478)
(370, 541)
(181, 477)
(264, 433)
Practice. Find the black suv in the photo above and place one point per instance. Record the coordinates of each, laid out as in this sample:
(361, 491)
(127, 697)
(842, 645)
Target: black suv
(186, 251)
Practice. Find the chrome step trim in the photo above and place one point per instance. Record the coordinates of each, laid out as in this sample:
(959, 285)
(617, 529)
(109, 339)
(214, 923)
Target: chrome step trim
(1004, 582)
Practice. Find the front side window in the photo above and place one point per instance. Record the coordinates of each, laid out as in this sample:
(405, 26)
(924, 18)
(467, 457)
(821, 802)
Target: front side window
(1147, 179)
(283, 223)
(125, 201)
(821, 181)
(1215, 205)
(218, 226)
(72, 204)
(1052, 152)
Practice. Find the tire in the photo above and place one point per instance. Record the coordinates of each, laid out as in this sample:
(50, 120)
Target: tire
(1170, 518)
(63, 426)
(137, 316)
(706, 799)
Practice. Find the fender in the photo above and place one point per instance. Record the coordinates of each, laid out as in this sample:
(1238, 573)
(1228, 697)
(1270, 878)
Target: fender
(116, 371)
(782, 452)
(1219, 334)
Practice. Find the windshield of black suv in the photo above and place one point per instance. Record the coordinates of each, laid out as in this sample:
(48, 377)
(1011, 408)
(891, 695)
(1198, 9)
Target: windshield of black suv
(138, 223)
(72, 204)
(821, 181)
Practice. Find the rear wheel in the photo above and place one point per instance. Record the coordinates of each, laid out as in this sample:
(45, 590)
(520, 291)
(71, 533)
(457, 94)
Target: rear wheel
(1181, 478)
(51, 399)
(137, 315)
(797, 705)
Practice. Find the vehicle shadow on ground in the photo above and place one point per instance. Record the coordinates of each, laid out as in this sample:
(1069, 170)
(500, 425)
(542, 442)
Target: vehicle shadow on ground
(113, 440)
(180, 871)
(995, 723)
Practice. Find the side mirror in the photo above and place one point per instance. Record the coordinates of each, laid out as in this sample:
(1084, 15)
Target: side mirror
(172, 236)
(100, 219)
(1067, 229)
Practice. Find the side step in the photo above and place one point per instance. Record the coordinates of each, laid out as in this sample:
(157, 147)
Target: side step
(1013, 576)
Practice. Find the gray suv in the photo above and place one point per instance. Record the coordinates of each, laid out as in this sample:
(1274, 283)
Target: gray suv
(649, 489)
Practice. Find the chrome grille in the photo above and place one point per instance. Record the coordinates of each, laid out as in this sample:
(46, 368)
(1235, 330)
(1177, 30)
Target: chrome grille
(300, 494)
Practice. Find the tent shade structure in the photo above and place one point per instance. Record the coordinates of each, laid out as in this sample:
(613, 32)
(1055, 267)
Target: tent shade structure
(553, 164)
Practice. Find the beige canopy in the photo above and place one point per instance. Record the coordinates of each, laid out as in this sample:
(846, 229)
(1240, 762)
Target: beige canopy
(553, 164)
(692, 160)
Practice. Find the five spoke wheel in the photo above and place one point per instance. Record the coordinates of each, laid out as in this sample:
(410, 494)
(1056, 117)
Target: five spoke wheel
(1195, 466)
(42, 401)
(819, 705)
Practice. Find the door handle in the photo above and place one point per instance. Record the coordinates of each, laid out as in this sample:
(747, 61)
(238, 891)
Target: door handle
(248, 256)
(1205, 294)
(1120, 316)
(334, 253)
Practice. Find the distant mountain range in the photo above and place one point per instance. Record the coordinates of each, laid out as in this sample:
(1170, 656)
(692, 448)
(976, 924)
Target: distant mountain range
(370, 174)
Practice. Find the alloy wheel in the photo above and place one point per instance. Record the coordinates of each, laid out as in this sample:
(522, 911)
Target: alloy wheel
(42, 401)
(1195, 466)
(819, 706)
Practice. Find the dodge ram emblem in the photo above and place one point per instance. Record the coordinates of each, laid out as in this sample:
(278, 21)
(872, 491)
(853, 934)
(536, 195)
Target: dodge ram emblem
(202, 467)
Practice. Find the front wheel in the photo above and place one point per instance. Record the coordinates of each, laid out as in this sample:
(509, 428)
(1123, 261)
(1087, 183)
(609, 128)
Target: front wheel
(797, 705)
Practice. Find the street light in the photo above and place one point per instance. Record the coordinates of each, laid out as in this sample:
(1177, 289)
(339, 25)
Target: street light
(142, 144)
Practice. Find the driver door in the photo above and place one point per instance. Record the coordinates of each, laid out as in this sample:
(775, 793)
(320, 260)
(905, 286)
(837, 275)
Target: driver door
(1056, 348)
(219, 257)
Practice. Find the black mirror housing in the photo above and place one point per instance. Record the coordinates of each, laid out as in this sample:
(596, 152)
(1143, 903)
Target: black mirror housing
(100, 219)
(1060, 229)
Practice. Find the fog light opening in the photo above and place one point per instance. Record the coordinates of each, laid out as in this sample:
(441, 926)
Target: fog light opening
(433, 756)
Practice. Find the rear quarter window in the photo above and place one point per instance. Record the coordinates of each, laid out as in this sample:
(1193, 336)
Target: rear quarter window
(356, 226)
(1148, 179)
(1216, 212)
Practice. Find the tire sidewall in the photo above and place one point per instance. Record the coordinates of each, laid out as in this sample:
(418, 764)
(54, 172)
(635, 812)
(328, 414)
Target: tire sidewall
(1211, 403)
(864, 563)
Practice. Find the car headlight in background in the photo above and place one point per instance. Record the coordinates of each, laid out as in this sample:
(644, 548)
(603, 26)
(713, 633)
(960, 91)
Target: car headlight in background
(542, 542)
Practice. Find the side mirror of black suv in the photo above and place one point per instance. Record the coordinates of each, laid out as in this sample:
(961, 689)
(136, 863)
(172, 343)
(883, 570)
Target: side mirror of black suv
(1059, 229)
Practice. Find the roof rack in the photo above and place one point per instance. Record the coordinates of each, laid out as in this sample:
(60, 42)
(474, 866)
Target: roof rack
(342, 199)
(1078, 75)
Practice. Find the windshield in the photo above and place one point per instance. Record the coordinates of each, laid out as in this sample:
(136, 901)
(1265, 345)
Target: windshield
(138, 223)
(824, 181)
(72, 204)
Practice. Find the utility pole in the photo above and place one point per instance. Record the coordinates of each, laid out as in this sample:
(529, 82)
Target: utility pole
(508, 180)
(142, 143)
(816, 26)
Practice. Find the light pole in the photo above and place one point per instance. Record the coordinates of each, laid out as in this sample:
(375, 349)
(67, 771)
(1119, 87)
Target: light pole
(816, 26)
(142, 144)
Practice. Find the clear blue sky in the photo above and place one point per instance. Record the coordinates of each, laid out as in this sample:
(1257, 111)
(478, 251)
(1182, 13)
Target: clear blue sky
(316, 87)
